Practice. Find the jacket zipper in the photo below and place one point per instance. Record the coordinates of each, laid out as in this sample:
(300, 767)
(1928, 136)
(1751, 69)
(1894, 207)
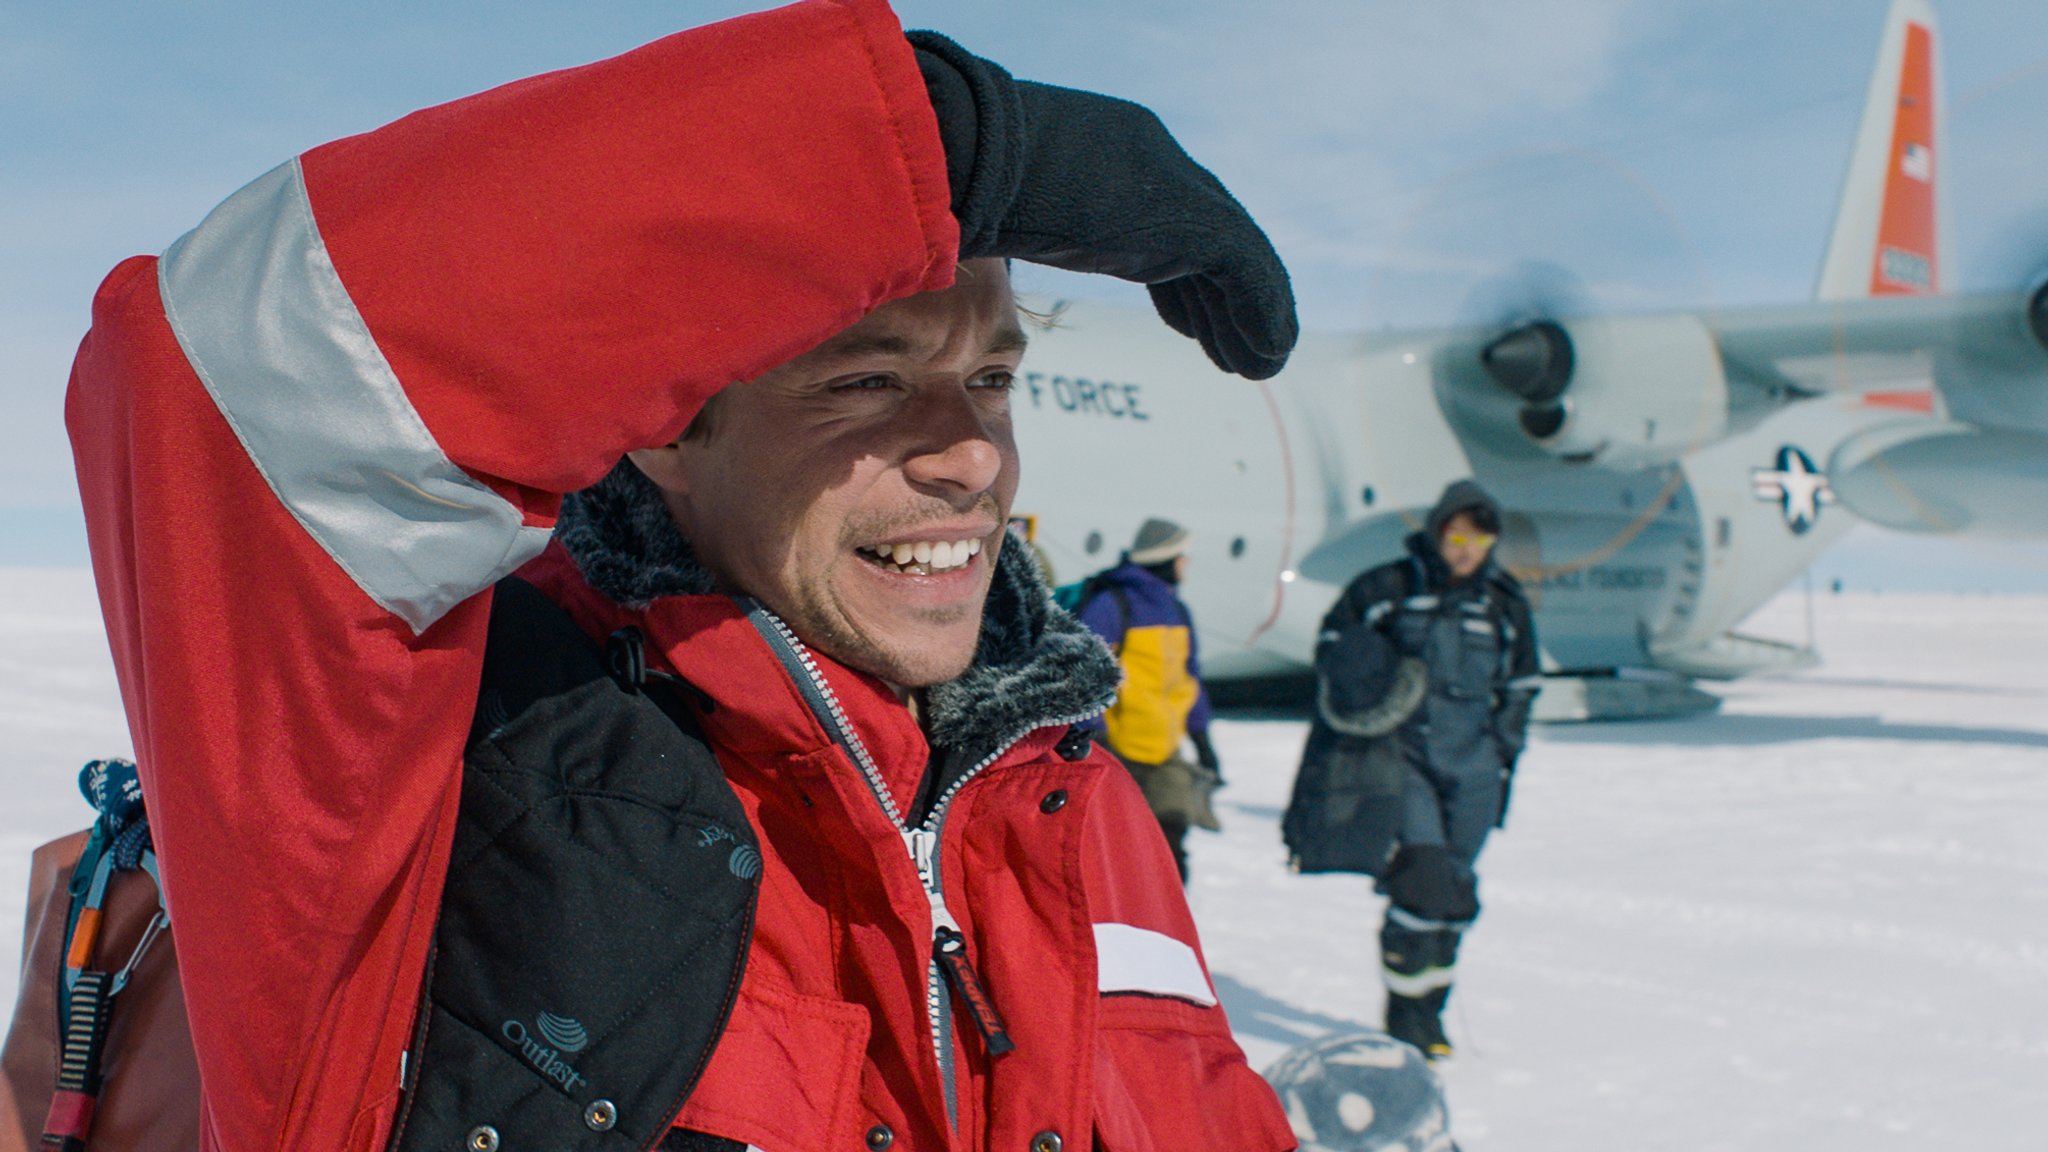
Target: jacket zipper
(949, 969)
(950, 965)
(921, 843)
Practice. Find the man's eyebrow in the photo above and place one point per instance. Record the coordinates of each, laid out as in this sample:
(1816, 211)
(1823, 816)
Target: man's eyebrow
(1009, 338)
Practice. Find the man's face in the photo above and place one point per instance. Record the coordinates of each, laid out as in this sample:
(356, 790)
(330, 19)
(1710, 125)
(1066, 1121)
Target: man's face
(1463, 546)
(893, 436)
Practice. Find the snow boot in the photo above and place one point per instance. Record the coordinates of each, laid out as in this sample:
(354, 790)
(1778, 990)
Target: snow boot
(1418, 1021)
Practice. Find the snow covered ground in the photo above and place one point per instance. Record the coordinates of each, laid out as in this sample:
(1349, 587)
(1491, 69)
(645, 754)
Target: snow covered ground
(1816, 921)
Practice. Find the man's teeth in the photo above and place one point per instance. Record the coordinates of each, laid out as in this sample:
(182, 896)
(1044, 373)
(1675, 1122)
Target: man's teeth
(927, 555)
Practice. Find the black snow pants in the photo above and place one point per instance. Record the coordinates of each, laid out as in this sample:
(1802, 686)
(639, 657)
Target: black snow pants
(1455, 786)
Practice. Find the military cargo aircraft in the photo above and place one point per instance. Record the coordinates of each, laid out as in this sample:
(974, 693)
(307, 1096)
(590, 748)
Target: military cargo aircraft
(1664, 472)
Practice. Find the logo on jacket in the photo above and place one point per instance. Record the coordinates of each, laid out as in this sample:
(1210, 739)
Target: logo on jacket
(551, 1038)
(562, 1032)
(743, 862)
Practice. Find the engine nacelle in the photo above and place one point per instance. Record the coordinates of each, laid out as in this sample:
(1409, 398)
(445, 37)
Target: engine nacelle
(1623, 391)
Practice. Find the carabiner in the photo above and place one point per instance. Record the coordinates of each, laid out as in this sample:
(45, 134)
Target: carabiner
(150, 932)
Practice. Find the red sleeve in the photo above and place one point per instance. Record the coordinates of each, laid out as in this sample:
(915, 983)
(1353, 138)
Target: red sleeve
(571, 263)
(1168, 1074)
(541, 277)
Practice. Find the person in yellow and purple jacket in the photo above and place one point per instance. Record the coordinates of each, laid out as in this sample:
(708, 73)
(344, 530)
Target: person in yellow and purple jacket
(1136, 608)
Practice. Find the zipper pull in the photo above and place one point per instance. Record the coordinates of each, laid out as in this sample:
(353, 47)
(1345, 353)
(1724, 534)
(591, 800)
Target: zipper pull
(922, 843)
(951, 949)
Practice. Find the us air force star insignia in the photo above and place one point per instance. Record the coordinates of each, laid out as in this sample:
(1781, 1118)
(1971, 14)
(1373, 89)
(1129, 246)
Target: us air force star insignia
(1795, 486)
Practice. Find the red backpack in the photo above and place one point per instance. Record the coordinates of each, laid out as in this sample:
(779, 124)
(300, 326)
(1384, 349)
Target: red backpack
(99, 1054)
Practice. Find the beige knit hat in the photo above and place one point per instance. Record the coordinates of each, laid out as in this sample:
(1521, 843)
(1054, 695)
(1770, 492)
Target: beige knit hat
(1158, 541)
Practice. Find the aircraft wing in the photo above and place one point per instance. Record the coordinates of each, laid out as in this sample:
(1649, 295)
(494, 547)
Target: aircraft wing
(1979, 356)
(1977, 364)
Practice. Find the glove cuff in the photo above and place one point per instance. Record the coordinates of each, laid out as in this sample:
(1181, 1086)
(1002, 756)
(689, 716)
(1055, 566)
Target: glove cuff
(980, 124)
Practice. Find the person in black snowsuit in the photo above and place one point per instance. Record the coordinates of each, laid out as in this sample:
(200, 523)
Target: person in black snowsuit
(1426, 668)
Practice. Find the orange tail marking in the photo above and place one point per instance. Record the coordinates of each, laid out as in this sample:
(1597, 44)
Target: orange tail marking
(1916, 400)
(1905, 262)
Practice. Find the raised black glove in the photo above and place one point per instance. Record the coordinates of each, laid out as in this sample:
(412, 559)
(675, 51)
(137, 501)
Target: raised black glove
(1091, 183)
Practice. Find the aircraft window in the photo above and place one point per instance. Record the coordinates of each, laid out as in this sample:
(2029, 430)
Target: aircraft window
(1367, 495)
(1093, 543)
(1237, 545)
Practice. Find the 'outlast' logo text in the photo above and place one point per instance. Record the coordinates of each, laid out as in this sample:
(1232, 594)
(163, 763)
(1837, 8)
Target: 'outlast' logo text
(545, 1060)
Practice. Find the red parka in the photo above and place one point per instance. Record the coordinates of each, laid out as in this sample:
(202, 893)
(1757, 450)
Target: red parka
(314, 433)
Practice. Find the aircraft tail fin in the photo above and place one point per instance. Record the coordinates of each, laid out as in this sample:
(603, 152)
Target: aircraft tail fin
(1887, 239)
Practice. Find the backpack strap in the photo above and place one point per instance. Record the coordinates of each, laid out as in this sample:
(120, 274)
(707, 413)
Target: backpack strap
(1123, 614)
(1099, 584)
(119, 842)
(1418, 581)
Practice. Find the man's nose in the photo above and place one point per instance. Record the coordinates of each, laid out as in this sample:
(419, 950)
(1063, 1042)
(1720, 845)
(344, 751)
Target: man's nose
(955, 446)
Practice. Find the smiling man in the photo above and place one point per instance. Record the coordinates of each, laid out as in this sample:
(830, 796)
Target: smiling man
(852, 489)
(752, 811)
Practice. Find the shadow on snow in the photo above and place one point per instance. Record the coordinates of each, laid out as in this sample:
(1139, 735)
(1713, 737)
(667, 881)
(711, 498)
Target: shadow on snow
(1253, 1013)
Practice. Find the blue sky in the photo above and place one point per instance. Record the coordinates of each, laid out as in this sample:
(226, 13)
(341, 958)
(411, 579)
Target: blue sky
(1371, 137)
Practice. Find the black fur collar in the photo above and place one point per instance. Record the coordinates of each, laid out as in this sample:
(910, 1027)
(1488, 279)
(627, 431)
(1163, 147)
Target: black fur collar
(1036, 665)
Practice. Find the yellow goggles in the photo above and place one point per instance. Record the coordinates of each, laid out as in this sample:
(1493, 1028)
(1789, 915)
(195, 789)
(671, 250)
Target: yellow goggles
(1470, 539)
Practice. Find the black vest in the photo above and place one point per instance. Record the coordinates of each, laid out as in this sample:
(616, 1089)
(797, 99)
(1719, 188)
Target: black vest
(599, 901)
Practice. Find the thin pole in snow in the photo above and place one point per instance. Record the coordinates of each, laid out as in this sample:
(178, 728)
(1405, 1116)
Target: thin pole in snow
(1809, 610)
